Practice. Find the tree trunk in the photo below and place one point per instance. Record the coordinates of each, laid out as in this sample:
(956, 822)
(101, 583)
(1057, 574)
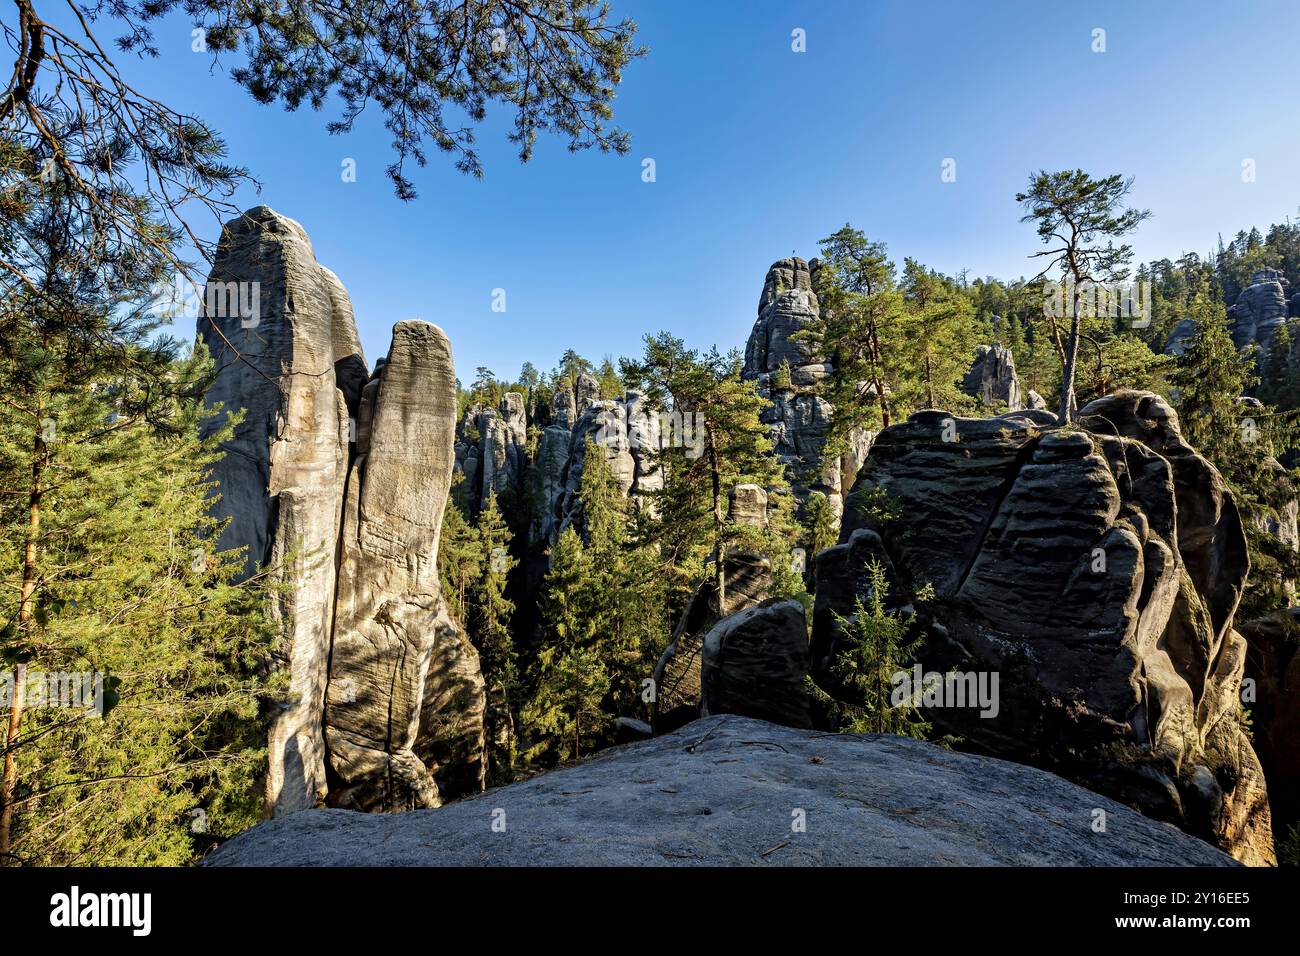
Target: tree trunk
(719, 545)
(28, 587)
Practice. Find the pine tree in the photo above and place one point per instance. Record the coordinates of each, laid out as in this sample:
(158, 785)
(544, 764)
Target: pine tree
(939, 338)
(460, 553)
(717, 441)
(105, 542)
(1074, 213)
(859, 328)
(119, 579)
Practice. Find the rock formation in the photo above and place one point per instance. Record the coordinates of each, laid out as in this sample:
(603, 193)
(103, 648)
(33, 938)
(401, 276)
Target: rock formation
(720, 793)
(360, 609)
(281, 480)
(389, 611)
(754, 663)
(786, 370)
(1259, 310)
(1096, 570)
(747, 582)
(992, 379)
(1180, 337)
(1273, 667)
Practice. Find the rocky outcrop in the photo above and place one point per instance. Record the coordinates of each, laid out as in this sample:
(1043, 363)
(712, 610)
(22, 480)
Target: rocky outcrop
(730, 791)
(754, 663)
(626, 431)
(992, 379)
(1259, 310)
(786, 368)
(1096, 571)
(1180, 337)
(290, 365)
(389, 600)
(359, 607)
(1273, 670)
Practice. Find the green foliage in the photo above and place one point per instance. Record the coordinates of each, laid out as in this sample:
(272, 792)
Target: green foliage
(873, 647)
(1244, 442)
(571, 678)
(719, 442)
(1079, 217)
(128, 584)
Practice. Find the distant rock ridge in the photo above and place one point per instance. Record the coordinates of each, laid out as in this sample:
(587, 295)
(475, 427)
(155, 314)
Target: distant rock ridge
(337, 480)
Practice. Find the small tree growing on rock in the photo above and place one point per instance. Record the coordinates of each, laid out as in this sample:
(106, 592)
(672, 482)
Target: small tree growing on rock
(1074, 215)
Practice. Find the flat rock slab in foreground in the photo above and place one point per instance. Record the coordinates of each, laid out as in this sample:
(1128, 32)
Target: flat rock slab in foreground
(725, 791)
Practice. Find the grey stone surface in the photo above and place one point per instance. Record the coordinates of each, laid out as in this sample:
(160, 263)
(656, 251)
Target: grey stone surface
(389, 597)
(799, 418)
(755, 663)
(725, 791)
(1260, 308)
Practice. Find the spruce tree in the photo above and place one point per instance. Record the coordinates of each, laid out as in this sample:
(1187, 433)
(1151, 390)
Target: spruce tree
(570, 679)
(492, 636)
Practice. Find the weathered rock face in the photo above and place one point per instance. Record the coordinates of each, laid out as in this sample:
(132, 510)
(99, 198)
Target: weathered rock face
(992, 379)
(452, 740)
(1180, 337)
(402, 678)
(754, 664)
(799, 418)
(625, 430)
(1259, 310)
(291, 366)
(1096, 571)
(677, 675)
(873, 800)
(1273, 664)
(389, 598)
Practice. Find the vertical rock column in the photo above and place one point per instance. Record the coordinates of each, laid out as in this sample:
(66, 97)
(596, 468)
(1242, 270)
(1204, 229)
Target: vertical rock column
(277, 325)
(389, 608)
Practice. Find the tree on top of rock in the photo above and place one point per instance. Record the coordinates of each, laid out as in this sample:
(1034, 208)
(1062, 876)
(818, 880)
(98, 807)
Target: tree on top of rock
(1079, 218)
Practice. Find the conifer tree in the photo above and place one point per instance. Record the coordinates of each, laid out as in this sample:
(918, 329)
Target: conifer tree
(859, 327)
(939, 338)
(492, 636)
(570, 679)
(106, 549)
(873, 648)
(460, 553)
(1074, 214)
(717, 441)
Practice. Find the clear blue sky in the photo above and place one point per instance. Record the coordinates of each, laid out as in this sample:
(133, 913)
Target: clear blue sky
(761, 151)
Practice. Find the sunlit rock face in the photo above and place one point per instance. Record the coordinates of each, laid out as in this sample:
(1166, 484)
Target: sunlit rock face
(1259, 310)
(291, 368)
(284, 340)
